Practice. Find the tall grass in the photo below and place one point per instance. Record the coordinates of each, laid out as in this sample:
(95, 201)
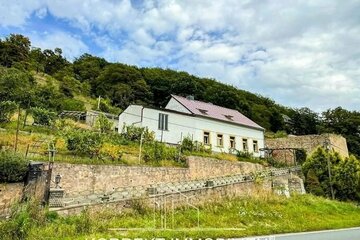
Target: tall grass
(256, 215)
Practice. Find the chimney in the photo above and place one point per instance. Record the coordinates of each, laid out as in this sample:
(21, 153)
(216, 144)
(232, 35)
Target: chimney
(190, 97)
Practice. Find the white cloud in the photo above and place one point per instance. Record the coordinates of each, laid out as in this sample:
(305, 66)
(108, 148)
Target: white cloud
(72, 46)
(300, 53)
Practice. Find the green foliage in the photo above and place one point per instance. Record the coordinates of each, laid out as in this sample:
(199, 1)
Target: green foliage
(43, 116)
(187, 145)
(313, 185)
(345, 174)
(105, 106)
(84, 142)
(14, 49)
(300, 156)
(346, 123)
(347, 179)
(25, 217)
(157, 151)
(7, 109)
(133, 133)
(13, 167)
(103, 123)
(17, 86)
(71, 104)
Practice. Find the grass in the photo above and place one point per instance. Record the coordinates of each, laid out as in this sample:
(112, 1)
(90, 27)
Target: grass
(261, 214)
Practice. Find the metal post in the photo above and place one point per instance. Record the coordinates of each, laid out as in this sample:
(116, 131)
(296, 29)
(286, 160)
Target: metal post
(327, 149)
(141, 140)
(17, 129)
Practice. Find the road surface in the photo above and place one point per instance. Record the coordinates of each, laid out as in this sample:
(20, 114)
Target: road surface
(341, 234)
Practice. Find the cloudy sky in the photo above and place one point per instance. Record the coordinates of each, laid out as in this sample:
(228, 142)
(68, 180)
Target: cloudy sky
(299, 53)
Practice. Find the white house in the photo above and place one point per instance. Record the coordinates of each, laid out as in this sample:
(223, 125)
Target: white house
(221, 128)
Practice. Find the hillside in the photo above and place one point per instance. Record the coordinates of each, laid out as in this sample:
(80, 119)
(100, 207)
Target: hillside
(35, 77)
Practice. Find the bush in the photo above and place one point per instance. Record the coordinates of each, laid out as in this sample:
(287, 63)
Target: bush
(7, 109)
(84, 142)
(133, 133)
(158, 151)
(13, 167)
(71, 104)
(187, 145)
(43, 116)
(103, 123)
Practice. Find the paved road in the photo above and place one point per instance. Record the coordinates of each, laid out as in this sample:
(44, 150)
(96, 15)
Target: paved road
(341, 234)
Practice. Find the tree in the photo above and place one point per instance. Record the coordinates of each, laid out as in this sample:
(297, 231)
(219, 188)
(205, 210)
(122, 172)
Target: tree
(313, 185)
(347, 179)
(17, 86)
(7, 109)
(14, 49)
(43, 116)
(37, 59)
(303, 122)
(344, 122)
(88, 67)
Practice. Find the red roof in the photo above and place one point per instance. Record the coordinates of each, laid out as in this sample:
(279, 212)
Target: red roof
(213, 111)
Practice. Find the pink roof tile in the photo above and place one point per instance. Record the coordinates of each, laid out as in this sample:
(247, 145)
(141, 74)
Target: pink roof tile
(216, 112)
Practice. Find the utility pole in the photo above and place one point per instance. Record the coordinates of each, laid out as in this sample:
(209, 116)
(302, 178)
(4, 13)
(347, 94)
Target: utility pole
(327, 149)
(17, 128)
(98, 105)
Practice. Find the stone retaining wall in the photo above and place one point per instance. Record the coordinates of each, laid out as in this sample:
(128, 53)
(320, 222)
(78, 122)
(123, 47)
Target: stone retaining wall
(82, 180)
(10, 193)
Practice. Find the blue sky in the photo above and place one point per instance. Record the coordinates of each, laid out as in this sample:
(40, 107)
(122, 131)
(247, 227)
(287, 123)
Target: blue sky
(299, 53)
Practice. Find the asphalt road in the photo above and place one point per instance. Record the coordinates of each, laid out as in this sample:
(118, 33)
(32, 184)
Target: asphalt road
(341, 234)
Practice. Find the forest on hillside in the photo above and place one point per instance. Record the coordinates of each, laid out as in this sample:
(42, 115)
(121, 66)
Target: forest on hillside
(24, 68)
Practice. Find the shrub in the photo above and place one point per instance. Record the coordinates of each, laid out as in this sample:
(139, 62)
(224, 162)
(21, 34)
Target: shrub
(7, 109)
(71, 104)
(187, 145)
(13, 167)
(84, 142)
(43, 116)
(103, 123)
(158, 151)
(111, 151)
(133, 133)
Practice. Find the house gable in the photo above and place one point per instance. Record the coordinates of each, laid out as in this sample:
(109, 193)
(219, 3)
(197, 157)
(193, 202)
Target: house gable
(175, 105)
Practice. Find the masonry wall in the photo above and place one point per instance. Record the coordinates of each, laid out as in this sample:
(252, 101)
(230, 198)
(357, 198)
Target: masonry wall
(10, 193)
(307, 142)
(81, 180)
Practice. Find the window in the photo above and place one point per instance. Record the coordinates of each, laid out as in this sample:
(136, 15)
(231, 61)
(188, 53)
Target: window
(206, 138)
(245, 145)
(219, 140)
(229, 117)
(232, 142)
(163, 121)
(255, 146)
(203, 111)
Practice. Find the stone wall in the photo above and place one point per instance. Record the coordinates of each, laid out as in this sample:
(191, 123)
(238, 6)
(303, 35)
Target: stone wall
(307, 142)
(293, 184)
(10, 193)
(81, 180)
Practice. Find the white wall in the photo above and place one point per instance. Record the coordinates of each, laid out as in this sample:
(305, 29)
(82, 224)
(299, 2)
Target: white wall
(182, 125)
(176, 106)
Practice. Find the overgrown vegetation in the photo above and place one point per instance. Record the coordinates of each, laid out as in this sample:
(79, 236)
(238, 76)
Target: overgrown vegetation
(326, 170)
(260, 214)
(13, 167)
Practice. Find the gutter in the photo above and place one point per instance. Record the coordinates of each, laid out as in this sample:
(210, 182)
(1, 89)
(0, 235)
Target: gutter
(141, 116)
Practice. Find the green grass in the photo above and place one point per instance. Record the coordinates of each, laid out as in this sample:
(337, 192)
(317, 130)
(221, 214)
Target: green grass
(257, 215)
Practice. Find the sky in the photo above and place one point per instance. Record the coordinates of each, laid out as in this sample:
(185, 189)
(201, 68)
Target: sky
(300, 53)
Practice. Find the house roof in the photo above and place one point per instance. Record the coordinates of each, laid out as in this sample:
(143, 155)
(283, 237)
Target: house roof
(216, 112)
